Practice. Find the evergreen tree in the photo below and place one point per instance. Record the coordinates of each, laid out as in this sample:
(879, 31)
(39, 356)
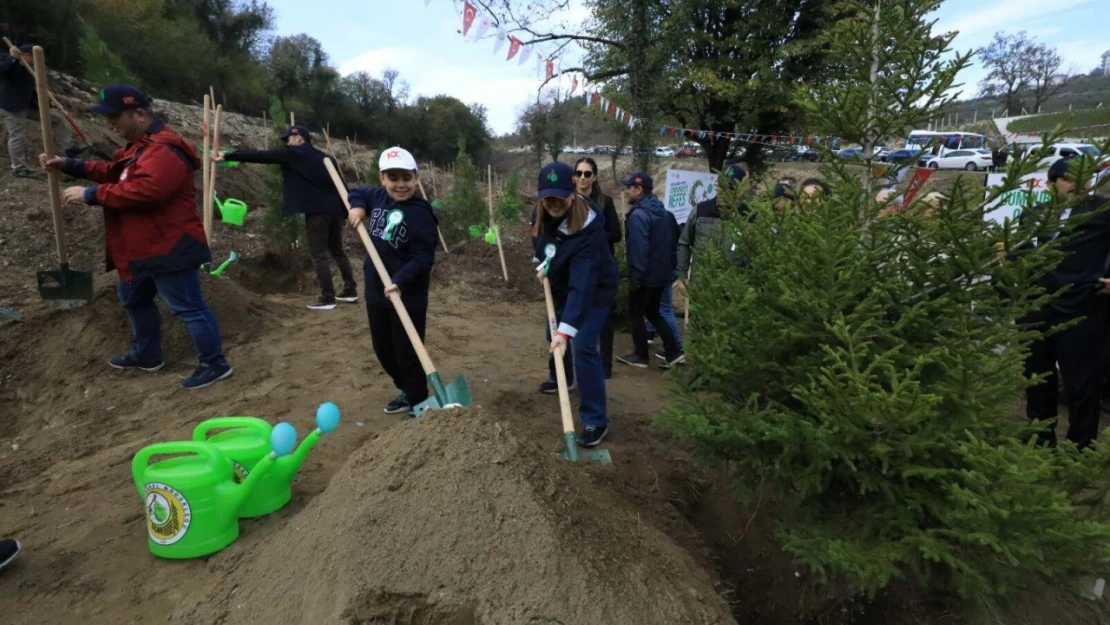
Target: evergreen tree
(863, 371)
(509, 205)
(465, 206)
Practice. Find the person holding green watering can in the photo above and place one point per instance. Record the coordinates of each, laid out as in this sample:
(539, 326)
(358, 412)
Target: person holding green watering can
(307, 188)
(402, 227)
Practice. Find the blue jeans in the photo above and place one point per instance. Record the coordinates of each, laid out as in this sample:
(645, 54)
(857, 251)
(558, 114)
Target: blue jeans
(181, 293)
(590, 373)
(666, 308)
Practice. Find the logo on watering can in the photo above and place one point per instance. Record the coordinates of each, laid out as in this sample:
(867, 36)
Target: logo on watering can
(240, 472)
(167, 514)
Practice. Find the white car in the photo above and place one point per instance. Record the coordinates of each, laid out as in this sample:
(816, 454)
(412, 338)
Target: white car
(1069, 151)
(971, 160)
(664, 152)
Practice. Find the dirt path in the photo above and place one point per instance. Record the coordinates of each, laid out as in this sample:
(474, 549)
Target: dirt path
(70, 426)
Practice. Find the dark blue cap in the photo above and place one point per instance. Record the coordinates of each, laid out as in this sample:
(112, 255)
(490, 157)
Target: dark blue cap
(296, 130)
(1058, 170)
(735, 174)
(639, 179)
(784, 190)
(27, 48)
(556, 179)
(115, 99)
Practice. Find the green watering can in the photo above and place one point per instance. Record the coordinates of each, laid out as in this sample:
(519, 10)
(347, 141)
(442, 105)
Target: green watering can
(192, 502)
(232, 211)
(245, 441)
(491, 235)
(475, 232)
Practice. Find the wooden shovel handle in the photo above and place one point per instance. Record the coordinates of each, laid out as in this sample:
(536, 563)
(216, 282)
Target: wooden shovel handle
(52, 99)
(212, 169)
(395, 298)
(55, 188)
(560, 371)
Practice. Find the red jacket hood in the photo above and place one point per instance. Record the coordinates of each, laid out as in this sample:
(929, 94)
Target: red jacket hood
(159, 132)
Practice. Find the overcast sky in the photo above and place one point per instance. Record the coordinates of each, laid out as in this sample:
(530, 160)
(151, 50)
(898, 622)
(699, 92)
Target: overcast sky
(425, 45)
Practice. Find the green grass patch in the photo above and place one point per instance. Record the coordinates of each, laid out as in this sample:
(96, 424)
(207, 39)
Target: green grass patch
(1079, 123)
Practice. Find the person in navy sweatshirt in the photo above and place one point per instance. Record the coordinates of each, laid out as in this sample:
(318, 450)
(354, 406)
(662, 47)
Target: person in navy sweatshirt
(569, 235)
(403, 229)
(651, 241)
(307, 188)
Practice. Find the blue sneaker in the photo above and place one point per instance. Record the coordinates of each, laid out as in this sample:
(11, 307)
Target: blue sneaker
(207, 375)
(131, 362)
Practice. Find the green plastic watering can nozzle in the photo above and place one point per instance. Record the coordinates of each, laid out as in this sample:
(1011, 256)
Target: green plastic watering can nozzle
(327, 419)
(283, 440)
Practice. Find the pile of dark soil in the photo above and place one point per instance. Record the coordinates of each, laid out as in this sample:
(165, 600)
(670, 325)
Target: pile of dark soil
(454, 520)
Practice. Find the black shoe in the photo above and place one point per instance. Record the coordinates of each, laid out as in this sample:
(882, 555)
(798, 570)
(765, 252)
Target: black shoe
(23, 172)
(207, 375)
(398, 405)
(634, 360)
(679, 358)
(130, 362)
(552, 388)
(592, 436)
(349, 296)
(77, 152)
(323, 303)
(9, 551)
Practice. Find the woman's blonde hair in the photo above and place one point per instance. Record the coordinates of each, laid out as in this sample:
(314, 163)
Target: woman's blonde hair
(576, 216)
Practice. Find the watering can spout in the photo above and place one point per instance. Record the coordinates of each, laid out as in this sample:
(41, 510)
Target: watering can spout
(282, 441)
(327, 419)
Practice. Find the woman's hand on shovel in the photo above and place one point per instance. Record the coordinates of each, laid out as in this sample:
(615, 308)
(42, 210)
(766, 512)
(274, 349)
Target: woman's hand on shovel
(559, 344)
(51, 164)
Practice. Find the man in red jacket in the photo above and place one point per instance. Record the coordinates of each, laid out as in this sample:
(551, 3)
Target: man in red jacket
(153, 236)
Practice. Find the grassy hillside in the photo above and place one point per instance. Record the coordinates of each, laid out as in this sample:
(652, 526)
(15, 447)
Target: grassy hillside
(1085, 92)
(1081, 121)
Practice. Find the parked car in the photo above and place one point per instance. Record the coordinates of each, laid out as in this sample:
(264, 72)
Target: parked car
(687, 152)
(808, 155)
(850, 153)
(971, 160)
(1058, 151)
(881, 154)
(626, 151)
(664, 152)
(901, 157)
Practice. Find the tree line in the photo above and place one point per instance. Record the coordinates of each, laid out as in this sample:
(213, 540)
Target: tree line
(177, 49)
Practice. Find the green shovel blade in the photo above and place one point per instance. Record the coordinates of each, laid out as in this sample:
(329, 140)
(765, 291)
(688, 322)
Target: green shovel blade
(572, 452)
(454, 395)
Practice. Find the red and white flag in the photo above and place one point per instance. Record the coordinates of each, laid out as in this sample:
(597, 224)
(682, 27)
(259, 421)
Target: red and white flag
(573, 85)
(920, 177)
(469, 13)
(550, 68)
(514, 47)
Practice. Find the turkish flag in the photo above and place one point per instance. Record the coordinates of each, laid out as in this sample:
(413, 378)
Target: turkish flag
(514, 47)
(550, 68)
(469, 13)
(920, 177)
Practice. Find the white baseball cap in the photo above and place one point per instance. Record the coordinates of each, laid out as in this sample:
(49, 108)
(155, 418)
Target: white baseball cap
(396, 158)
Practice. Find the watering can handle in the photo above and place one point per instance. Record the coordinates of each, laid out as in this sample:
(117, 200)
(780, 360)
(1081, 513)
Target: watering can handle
(200, 433)
(139, 463)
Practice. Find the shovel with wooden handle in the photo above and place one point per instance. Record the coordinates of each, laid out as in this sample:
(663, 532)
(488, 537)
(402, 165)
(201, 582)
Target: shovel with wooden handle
(65, 288)
(454, 395)
(570, 451)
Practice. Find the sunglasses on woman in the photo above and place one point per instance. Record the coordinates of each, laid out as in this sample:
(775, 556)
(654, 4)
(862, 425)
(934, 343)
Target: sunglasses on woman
(584, 173)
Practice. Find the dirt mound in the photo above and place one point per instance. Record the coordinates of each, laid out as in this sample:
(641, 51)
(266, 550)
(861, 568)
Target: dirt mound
(476, 265)
(453, 520)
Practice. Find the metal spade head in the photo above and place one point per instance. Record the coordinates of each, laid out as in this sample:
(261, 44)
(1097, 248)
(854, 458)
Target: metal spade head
(572, 452)
(455, 395)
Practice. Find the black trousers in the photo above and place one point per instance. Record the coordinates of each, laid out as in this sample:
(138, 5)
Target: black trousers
(395, 351)
(325, 239)
(644, 303)
(1078, 351)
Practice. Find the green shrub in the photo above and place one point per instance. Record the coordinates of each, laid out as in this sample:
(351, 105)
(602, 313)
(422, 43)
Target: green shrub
(509, 206)
(855, 368)
(465, 206)
(101, 65)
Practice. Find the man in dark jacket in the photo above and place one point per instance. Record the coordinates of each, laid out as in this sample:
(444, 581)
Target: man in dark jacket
(307, 188)
(154, 238)
(650, 235)
(402, 227)
(705, 224)
(1077, 348)
(18, 104)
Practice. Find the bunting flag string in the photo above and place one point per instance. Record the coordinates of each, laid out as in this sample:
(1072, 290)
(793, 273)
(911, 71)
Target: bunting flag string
(469, 13)
(514, 47)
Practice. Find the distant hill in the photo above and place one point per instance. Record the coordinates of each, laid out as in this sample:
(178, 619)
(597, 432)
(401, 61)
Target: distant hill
(1083, 92)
